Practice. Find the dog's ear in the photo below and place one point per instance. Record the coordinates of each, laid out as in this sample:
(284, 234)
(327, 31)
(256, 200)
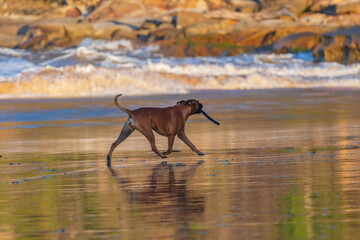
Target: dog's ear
(188, 102)
(180, 101)
(191, 101)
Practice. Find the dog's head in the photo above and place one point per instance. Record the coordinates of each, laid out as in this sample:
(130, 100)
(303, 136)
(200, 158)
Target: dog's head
(195, 105)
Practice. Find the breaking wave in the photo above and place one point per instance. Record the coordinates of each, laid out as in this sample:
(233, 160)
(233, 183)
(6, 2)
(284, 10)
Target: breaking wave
(99, 68)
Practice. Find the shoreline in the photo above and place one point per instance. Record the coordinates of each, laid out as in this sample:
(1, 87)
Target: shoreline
(159, 96)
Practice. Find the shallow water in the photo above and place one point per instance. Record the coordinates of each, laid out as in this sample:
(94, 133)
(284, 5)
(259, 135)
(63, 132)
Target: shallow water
(282, 165)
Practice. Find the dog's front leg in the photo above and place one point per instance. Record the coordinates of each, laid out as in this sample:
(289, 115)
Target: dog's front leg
(171, 139)
(185, 139)
(151, 138)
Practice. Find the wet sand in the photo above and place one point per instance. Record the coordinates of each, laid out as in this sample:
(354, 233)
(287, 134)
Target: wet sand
(283, 164)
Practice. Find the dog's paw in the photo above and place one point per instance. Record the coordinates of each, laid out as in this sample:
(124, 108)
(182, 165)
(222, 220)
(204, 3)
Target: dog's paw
(108, 161)
(200, 153)
(108, 164)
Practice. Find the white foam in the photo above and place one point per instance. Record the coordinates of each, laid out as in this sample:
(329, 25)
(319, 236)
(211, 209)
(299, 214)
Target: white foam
(122, 44)
(90, 81)
(14, 52)
(12, 66)
(103, 68)
(292, 68)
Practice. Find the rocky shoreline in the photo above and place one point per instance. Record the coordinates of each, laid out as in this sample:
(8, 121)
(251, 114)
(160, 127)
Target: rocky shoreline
(328, 28)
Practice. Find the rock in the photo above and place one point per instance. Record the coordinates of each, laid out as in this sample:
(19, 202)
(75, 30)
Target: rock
(167, 18)
(21, 8)
(336, 7)
(143, 32)
(246, 24)
(283, 32)
(134, 23)
(73, 12)
(210, 27)
(253, 37)
(276, 23)
(314, 18)
(296, 7)
(8, 29)
(165, 26)
(346, 20)
(164, 31)
(186, 18)
(9, 41)
(228, 14)
(323, 6)
(113, 30)
(245, 6)
(143, 35)
(74, 29)
(341, 46)
(83, 5)
(203, 45)
(216, 38)
(209, 45)
(273, 14)
(51, 33)
(319, 5)
(122, 32)
(150, 24)
(201, 5)
(348, 7)
(117, 10)
(152, 31)
(10, 34)
(215, 4)
(297, 42)
(266, 36)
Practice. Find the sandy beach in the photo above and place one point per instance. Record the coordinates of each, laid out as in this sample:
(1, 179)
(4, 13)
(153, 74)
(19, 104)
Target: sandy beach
(283, 164)
(281, 76)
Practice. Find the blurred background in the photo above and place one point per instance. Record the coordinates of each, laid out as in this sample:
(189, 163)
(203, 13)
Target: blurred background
(62, 48)
(281, 76)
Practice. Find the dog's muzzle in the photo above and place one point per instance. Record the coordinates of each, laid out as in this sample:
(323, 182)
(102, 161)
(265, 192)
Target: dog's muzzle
(199, 109)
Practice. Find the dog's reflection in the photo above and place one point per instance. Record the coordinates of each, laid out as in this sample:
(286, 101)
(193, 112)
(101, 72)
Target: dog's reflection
(167, 186)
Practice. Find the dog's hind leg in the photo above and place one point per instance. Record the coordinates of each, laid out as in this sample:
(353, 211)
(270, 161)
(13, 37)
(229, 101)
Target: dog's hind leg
(125, 132)
(185, 139)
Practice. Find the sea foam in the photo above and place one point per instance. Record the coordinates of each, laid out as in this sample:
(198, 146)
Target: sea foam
(98, 68)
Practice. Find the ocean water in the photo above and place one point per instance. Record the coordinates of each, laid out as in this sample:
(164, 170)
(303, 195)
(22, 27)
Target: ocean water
(103, 68)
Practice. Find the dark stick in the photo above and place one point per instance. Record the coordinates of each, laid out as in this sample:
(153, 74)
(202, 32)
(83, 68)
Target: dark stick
(210, 118)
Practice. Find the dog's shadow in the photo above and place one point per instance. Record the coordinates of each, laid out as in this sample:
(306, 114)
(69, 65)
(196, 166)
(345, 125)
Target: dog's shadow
(166, 190)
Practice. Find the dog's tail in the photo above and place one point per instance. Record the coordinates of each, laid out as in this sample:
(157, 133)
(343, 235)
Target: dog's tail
(120, 107)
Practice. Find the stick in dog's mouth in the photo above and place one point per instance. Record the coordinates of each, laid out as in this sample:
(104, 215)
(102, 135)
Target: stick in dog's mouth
(210, 118)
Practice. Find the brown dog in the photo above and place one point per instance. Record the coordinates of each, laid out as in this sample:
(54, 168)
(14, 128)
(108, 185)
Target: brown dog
(168, 122)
